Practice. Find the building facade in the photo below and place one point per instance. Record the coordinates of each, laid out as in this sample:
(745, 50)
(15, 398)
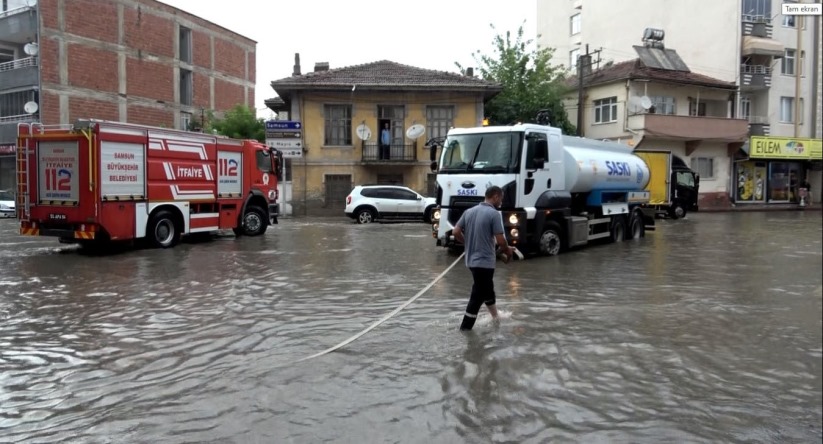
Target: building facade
(137, 61)
(772, 60)
(342, 112)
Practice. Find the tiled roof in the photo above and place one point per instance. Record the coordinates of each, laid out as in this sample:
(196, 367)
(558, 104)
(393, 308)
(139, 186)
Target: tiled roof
(385, 75)
(635, 70)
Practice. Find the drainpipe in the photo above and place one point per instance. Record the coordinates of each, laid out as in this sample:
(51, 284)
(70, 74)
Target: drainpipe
(798, 68)
(815, 76)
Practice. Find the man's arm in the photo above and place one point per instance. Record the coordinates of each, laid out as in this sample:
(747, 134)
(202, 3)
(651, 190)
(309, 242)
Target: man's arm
(458, 233)
(504, 246)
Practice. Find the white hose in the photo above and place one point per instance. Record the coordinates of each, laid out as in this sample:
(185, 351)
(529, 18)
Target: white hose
(385, 318)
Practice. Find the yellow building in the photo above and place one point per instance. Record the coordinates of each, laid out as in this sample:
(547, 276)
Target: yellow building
(342, 111)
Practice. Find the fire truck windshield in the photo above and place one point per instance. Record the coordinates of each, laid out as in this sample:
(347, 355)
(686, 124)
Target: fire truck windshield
(482, 153)
(264, 162)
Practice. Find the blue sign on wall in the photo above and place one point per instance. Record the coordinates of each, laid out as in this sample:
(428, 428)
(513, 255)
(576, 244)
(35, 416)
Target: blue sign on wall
(283, 124)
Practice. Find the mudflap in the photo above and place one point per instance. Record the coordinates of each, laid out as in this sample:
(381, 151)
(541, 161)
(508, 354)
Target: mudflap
(649, 215)
(274, 211)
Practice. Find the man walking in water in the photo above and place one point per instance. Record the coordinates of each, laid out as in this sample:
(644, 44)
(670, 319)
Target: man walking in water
(478, 229)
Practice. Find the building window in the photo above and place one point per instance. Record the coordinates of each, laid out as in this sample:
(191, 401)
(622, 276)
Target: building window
(757, 10)
(574, 24)
(605, 110)
(438, 120)
(787, 63)
(787, 109)
(337, 125)
(745, 107)
(186, 86)
(185, 122)
(704, 166)
(394, 116)
(789, 21)
(574, 55)
(6, 55)
(12, 104)
(185, 45)
(697, 108)
(662, 105)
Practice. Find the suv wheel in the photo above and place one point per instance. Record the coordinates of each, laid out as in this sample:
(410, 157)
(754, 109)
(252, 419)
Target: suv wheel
(365, 216)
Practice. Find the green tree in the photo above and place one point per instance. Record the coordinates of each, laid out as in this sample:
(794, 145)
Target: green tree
(239, 123)
(531, 85)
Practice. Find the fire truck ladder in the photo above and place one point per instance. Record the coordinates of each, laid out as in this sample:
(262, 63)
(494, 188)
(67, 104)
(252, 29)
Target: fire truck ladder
(22, 200)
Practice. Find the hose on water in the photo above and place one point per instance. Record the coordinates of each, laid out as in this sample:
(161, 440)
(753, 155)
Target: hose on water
(384, 318)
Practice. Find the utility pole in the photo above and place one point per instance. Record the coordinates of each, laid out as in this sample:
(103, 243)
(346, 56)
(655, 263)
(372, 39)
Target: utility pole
(584, 69)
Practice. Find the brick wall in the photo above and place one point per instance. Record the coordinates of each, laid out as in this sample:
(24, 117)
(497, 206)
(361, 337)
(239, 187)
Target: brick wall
(148, 33)
(92, 68)
(227, 95)
(144, 115)
(80, 108)
(229, 58)
(149, 28)
(153, 80)
(79, 21)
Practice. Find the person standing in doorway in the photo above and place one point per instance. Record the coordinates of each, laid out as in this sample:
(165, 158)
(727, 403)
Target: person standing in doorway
(478, 229)
(385, 142)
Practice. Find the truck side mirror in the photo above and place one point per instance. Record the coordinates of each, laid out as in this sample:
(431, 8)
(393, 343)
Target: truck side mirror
(433, 152)
(433, 167)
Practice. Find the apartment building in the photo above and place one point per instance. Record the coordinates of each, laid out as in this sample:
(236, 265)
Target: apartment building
(768, 57)
(137, 61)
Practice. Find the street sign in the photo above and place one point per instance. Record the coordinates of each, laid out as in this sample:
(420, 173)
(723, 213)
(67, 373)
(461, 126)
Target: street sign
(283, 134)
(283, 125)
(285, 144)
(291, 154)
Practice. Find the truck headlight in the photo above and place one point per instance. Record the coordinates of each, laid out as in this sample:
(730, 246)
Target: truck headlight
(513, 219)
(514, 233)
(436, 214)
(272, 195)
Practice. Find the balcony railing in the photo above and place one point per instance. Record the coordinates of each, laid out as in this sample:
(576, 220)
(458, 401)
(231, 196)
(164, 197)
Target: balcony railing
(18, 118)
(397, 153)
(15, 11)
(755, 69)
(753, 18)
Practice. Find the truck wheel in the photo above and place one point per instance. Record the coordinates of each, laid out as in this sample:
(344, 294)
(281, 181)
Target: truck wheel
(637, 227)
(162, 231)
(551, 240)
(365, 216)
(677, 211)
(618, 228)
(254, 221)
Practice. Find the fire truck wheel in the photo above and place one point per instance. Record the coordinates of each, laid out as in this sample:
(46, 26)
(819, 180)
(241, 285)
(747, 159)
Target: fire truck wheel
(254, 221)
(163, 232)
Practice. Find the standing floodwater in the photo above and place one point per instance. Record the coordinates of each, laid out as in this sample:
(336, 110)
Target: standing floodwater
(708, 330)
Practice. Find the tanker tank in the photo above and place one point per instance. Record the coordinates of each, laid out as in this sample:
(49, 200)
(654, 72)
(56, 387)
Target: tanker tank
(597, 165)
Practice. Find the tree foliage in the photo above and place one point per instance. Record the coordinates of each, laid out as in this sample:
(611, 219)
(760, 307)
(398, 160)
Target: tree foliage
(530, 83)
(239, 123)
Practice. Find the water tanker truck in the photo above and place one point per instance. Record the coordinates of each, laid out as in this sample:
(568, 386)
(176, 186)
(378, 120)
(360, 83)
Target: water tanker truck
(559, 192)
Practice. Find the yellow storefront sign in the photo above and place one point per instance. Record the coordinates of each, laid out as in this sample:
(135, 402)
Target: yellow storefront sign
(785, 148)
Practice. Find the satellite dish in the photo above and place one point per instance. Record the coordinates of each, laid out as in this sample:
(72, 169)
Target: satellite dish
(31, 49)
(31, 107)
(415, 131)
(645, 102)
(363, 132)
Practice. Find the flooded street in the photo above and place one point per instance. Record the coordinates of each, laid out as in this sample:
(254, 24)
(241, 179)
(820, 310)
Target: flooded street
(708, 330)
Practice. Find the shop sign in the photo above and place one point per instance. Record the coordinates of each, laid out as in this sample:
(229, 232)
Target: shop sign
(761, 147)
(8, 149)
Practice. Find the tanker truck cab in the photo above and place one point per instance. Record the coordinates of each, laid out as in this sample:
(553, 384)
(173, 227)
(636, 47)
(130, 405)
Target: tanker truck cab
(559, 192)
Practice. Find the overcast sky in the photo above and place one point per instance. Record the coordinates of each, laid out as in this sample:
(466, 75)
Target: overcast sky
(431, 34)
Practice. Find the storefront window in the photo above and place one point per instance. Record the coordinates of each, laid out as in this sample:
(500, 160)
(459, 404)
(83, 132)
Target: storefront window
(751, 181)
(783, 181)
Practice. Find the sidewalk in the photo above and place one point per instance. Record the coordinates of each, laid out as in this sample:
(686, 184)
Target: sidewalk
(763, 207)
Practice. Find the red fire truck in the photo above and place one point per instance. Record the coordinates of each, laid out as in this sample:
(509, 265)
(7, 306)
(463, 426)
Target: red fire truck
(99, 181)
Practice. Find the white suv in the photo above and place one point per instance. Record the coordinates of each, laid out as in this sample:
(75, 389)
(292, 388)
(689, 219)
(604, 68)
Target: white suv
(368, 203)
